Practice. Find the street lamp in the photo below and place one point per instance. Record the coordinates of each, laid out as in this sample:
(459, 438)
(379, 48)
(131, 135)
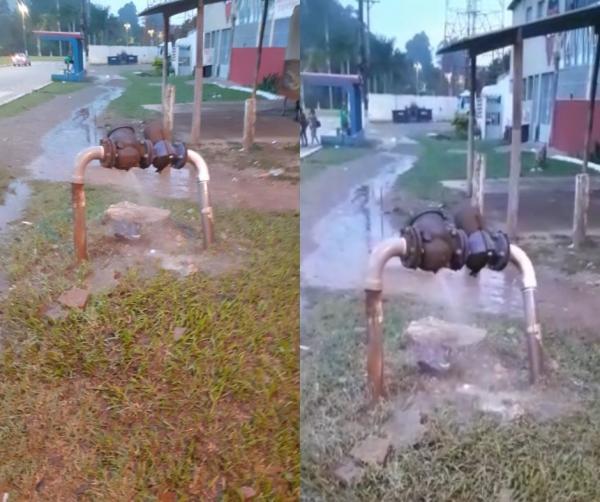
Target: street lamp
(417, 67)
(127, 27)
(151, 33)
(449, 79)
(24, 10)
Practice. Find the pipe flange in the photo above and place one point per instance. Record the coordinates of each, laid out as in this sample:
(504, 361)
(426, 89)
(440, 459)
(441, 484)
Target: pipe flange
(110, 153)
(414, 247)
(501, 256)
(460, 246)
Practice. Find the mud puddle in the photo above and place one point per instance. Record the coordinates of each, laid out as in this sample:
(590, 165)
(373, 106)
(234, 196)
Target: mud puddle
(15, 202)
(346, 235)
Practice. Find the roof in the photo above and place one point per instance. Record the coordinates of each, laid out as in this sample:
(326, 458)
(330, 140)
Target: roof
(58, 35)
(174, 7)
(571, 20)
(332, 79)
(513, 4)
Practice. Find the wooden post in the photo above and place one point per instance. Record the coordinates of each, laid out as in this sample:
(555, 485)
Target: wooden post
(582, 181)
(165, 68)
(582, 199)
(472, 122)
(515, 146)
(250, 120)
(478, 190)
(198, 79)
(169, 110)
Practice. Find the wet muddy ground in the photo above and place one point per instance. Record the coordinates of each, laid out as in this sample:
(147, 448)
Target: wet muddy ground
(346, 210)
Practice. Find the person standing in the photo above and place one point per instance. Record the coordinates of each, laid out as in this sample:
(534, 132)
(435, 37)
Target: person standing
(303, 126)
(314, 124)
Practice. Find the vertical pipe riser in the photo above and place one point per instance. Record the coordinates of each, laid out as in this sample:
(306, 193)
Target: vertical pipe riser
(534, 337)
(79, 230)
(206, 215)
(375, 343)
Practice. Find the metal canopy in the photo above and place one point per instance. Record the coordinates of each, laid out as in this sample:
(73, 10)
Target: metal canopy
(174, 7)
(329, 79)
(571, 20)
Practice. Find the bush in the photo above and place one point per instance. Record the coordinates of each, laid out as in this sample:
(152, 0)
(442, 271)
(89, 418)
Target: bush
(461, 125)
(270, 83)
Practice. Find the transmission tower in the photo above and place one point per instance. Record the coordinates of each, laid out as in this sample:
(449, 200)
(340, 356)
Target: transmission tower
(465, 18)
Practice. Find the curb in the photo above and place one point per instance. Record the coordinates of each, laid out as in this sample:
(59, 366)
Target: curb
(18, 96)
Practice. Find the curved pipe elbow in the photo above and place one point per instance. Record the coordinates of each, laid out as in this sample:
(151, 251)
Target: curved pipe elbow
(381, 254)
(196, 159)
(520, 259)
(83, 159)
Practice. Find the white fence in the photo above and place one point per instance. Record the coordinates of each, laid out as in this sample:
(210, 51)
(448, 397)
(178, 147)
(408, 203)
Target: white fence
(99, 53)
(381, 105)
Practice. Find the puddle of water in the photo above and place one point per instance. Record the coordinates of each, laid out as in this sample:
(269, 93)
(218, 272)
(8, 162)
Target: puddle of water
(346, 235)
(15, 201)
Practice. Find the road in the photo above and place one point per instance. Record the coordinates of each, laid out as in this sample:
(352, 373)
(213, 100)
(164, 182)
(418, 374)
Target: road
(15, 81)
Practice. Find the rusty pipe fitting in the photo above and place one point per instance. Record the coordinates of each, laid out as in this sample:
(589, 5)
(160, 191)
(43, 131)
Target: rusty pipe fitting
(123, 150)
(535, 352)
(390, 248)
(381, 254)
(78, 199)
(206, 212)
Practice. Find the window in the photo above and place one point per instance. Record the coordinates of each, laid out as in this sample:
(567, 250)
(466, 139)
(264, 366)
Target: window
(540, 9)
(528, 14)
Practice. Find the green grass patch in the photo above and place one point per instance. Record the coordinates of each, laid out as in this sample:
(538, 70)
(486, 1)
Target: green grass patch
(525, 459)
(440, 160)
(106, 404)
(38, 97)
(146, 90)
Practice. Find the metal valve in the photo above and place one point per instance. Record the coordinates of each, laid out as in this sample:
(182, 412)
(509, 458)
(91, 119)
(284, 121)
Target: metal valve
(434, 241)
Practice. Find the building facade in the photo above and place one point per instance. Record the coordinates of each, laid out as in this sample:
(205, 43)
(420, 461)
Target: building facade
(231, 36)
(556, 76)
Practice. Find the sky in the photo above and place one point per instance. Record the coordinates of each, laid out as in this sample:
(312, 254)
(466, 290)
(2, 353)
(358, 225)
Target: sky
(401, 19)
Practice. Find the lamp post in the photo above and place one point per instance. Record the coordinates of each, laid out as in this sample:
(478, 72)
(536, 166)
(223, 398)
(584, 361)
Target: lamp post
(417, 67)
(151, 33)
(449, 79)
(127, 27)
(24, 10)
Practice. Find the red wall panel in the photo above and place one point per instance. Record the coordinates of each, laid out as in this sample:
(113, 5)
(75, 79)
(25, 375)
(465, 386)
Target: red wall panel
(570, 123)
(243, 63)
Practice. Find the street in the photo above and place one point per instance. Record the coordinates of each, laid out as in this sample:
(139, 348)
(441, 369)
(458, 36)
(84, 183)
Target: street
(15, 81)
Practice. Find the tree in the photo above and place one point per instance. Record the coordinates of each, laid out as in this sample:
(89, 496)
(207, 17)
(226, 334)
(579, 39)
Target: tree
(128, 15)
(418, 49)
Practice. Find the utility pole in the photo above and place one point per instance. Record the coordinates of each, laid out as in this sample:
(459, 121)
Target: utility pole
(328, 49)
(58, 26)
(369, 3)
(363, 56)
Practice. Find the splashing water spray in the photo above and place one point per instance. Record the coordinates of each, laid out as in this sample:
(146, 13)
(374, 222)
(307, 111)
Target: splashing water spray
(122, 150)
(433, 240)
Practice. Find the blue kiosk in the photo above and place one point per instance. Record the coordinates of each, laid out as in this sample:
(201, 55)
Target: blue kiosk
(351, 84)
(73, 72)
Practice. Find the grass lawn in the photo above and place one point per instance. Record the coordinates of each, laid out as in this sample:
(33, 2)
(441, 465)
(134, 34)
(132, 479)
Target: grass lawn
(446, 160)
(146, 90)
(38, 97)
(557, 459)
(107, 404)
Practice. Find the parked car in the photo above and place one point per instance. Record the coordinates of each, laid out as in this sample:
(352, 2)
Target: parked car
(20, 59)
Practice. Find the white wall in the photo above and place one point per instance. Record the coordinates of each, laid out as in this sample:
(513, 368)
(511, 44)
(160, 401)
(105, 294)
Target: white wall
(381, 106)
(99, 53)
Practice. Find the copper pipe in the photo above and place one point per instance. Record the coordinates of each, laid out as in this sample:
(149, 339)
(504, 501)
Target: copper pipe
(381, 254)
(533, 329)
(78, 199)
(206, 212)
